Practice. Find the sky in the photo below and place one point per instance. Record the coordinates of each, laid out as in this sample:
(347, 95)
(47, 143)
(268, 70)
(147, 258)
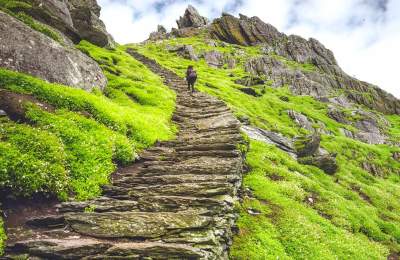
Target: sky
(363, 34)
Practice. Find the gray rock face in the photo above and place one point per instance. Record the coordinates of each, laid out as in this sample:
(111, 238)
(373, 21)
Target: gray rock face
(250, 81)
(324, 81)
(191, 18)
(56, 14)
(25, 50)
(186, 51)
(310, 153)
(301, 120)
(299, 82)
(271, 138)
(214, 59)
(85, 16)
(76, 19)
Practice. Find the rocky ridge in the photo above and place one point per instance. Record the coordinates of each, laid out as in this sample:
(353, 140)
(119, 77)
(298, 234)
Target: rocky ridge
(322, 80)
(177, 203)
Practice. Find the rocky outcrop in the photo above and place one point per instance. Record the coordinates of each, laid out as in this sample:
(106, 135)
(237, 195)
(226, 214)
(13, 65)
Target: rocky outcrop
(186, 51)
(324, 81)
(270, 137)
(160, 34)
(214, 59)
(76, 19)
(301, 120)
(178, 202)
(25, 50)
(85, 17)
(249, 81)
(243, 31)
(309, 152)
(191, 18)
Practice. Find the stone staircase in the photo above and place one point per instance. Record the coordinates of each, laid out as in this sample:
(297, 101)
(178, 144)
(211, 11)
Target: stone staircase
(176, 203)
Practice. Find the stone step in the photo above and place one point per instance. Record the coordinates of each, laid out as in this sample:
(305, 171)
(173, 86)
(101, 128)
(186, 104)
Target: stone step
(129, 181)
(136, 225)
(206, 189)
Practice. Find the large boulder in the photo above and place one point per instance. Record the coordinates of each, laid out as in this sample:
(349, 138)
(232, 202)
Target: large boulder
(25, 50)
(214, 59)
(191, 18)
(85, 17)
(307, 145)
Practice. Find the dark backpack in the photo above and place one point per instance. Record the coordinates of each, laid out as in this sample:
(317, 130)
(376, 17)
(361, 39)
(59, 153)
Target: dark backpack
(192, 75)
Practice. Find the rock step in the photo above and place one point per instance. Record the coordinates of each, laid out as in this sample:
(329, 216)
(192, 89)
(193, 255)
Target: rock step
(175, 179)
(206, 189)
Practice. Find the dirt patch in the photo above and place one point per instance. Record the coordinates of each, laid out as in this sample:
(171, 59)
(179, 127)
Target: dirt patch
(14, 104)
(275, 211)
(311, 199)
(364, 196)
(393, 256)
(275, 177)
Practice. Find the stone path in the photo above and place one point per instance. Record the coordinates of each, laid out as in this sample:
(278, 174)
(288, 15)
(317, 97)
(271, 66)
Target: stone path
(177, 203)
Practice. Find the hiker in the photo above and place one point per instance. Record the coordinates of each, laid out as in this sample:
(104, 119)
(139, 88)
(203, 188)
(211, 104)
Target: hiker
(191, 77)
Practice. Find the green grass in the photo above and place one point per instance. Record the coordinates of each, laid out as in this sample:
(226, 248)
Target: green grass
(2, 237)
(73, 150)
(354, 214)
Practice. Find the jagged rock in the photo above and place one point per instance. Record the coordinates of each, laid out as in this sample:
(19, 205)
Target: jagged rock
(2, 113)
(301, 120)
(85, 17)
(281, 75)
(160, 34)
(250, 91)
(270, 137)
(321, 83)
(337, 115)
(191, 18)
(396, 156)
(212, 43)
(161, 29)
(214, 59)
(243, 31)
(231, 62)
(186, 51)
(25, 50)
(56, 14)
(327, 163)
(250, 81)
(347, 133)
(307, 145)
(284, 98)
(372, 168)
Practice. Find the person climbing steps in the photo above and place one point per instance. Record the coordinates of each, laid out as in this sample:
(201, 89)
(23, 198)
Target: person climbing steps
(191, 77)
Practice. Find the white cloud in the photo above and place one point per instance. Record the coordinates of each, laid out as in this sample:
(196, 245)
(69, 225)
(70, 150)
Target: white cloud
(363, 34)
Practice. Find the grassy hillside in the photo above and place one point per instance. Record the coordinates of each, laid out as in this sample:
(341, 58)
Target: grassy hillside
(301, 213)
(70, 144)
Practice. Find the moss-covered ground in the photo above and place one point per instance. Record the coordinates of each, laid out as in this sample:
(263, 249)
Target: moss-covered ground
(73, 150)
(298, 211)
